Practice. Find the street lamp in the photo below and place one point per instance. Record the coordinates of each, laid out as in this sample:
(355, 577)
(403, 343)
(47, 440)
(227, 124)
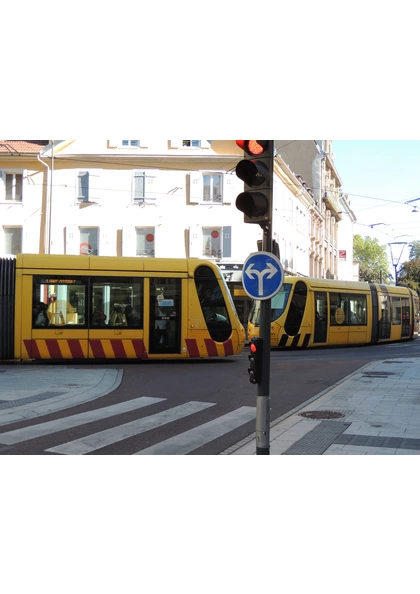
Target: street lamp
(396, 248)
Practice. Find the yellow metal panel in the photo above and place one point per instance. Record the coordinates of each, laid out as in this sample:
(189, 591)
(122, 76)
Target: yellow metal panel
(52, 262)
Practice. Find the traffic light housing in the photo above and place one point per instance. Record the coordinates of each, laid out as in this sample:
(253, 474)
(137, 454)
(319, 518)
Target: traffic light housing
(255, 360)
(256, 171)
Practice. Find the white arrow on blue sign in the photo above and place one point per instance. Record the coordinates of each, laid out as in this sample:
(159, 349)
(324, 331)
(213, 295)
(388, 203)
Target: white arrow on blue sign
(263, 275)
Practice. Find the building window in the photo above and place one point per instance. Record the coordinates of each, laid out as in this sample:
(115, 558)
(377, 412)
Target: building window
(191, 143)
(216, 242)
(144, 186)
(89, 241)
(145, 242)
(11, 186)
(87, 187)
(213, 185)
(12, 240)
(139, 186)
(130, 142)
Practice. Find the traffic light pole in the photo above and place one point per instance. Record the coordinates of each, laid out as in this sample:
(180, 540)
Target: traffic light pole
(263, 394)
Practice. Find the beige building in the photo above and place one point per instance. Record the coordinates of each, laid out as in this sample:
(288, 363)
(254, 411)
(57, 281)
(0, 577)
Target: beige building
(331, 250)
(168, 198)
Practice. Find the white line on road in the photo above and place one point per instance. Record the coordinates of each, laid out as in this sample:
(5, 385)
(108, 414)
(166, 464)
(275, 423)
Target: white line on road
(34, 431)
(102, 439)
(194, 438)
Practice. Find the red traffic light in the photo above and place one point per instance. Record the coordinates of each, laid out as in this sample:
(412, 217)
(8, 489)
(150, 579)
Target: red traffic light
(253, 347)
(252, 147)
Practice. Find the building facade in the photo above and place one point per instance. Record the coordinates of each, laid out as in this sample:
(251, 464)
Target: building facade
(176, 198)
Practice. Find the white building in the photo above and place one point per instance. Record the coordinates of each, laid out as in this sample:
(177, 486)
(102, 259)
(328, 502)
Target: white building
(159, 198)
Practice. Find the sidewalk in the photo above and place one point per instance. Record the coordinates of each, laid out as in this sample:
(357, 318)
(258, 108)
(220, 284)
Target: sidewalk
(27, 392)
(374, 411)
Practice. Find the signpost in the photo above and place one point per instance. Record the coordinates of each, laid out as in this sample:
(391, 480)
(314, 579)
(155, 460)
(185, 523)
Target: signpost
(262, 273)
(263, 277)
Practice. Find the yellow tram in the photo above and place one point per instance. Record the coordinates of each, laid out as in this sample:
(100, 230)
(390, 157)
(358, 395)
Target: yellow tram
(318, 312)
(96, 308)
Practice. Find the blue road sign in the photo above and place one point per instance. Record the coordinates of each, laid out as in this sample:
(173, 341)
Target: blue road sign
(263, 275)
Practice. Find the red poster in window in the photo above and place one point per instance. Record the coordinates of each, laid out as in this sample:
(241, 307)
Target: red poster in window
(215, 234)
(150, 237)
(342, 254)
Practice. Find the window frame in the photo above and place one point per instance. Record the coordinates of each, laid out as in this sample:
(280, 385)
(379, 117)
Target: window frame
(90, 251)
(130, 143)
(93, 190)
(8, 228)
(4, 173)
(211, 200)
(147, 230)
(149, 179)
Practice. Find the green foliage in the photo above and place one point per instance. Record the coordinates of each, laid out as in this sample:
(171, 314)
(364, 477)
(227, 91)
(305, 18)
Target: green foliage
(409, 274)
(415, 250)
(373, 259)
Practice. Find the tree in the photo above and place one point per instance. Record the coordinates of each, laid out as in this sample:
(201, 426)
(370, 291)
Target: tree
(415, 250)
(373, 259)
(409, 274)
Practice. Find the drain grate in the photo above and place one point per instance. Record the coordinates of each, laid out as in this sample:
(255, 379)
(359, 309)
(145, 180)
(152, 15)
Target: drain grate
(322, 414)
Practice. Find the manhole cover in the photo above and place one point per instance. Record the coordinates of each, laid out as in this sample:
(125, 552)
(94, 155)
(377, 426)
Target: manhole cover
(322, 414)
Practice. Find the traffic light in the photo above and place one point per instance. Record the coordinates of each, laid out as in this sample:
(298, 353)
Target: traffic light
(255, 360)
(256, 171)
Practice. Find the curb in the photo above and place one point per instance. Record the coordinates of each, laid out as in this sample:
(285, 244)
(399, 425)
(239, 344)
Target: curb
(290, 413)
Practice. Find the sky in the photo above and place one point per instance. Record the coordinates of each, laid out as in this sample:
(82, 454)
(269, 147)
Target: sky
(380, 176)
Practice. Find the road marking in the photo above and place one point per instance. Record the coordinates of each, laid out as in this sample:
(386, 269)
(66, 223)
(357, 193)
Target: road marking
(194, 438)
(34, 431)
(102, 439)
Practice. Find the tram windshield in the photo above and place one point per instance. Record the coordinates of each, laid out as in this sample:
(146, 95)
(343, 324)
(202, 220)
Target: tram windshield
(278, 305)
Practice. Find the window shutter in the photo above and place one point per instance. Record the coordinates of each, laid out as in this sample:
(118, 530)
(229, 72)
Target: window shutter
(139, 186)
(196, 240)
(151, 182)
(144, 143)
(227, 242)
(195, 187)
(105, 244)
(95, 184)
(175, 143)
(83, 186)
(229, 189)
(72, 240)
(128, 241)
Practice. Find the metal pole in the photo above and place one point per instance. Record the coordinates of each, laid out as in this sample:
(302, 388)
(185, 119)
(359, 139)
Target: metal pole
(263, 394)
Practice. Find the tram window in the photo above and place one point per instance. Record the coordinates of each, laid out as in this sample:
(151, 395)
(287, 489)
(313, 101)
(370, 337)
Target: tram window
(279, 301)
(296, 309)
(396, 311)
(59, 301)
(212, 304)
(348, 310)
(117, 302)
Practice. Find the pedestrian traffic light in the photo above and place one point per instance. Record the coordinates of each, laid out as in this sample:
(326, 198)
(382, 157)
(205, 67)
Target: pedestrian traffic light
(256, 171)
(255, 360)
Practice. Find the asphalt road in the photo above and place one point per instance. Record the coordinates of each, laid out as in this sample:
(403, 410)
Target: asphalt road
(208, 403)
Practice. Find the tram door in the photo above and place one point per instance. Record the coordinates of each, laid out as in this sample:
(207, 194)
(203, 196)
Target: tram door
(384, 317)
(165, 316)
(321, 317)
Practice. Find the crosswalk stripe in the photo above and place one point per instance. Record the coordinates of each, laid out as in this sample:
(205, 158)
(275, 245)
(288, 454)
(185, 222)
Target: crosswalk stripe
(194, 438)
(34, 431)
(99, 440)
